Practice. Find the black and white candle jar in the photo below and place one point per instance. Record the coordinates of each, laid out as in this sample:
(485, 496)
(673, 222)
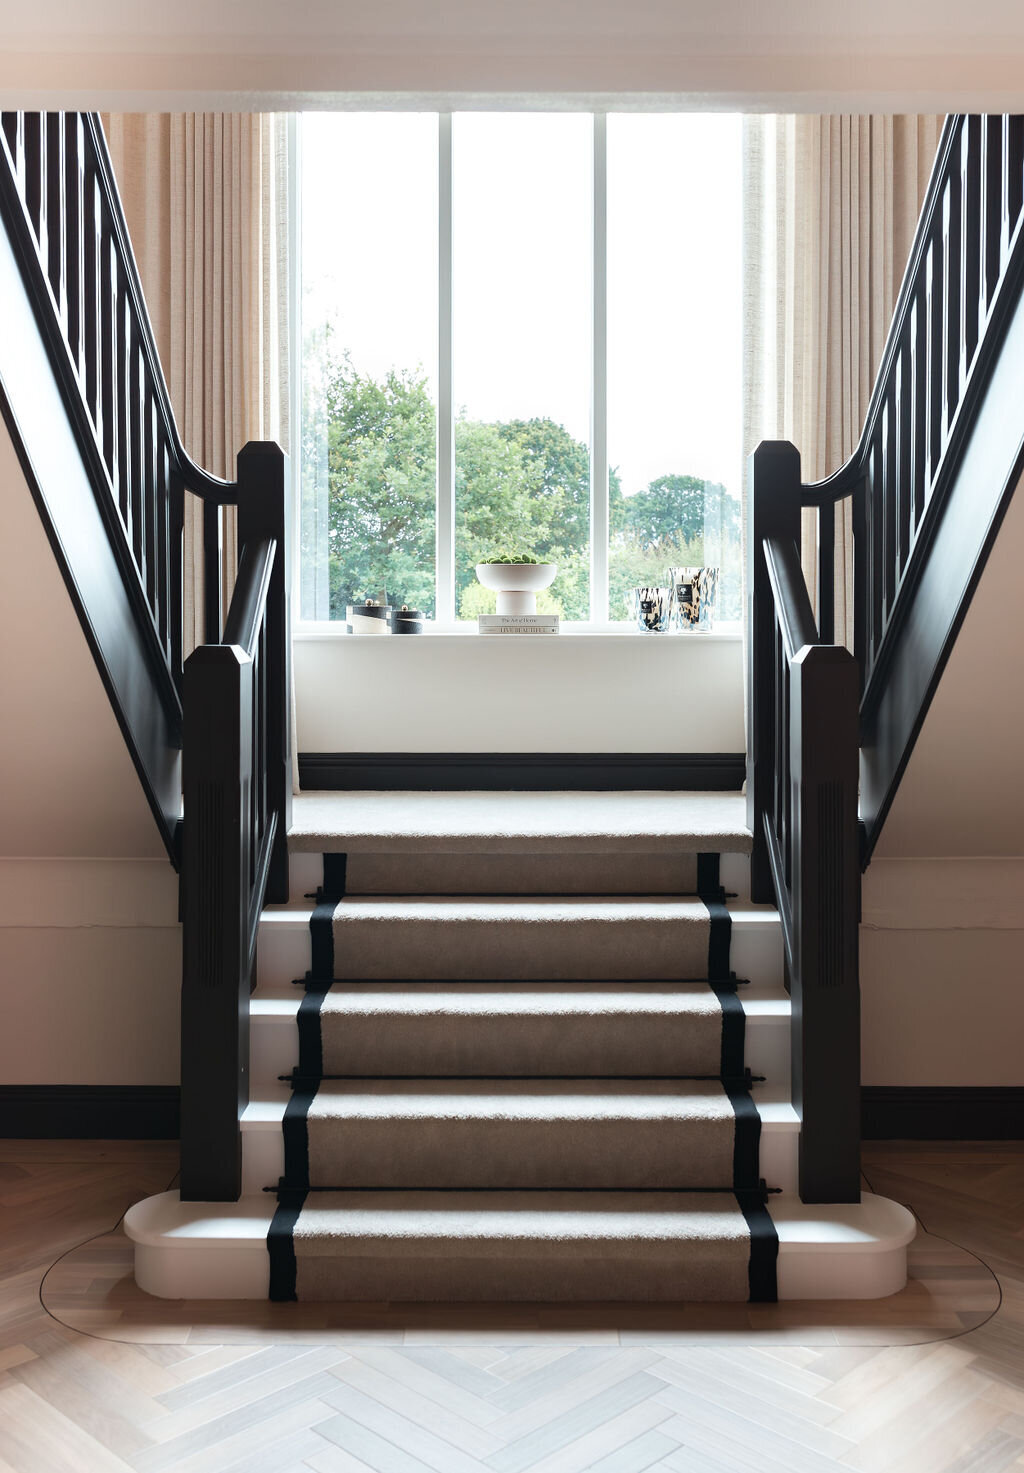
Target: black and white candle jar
(407, 621)
(694, 598)
(368, 618)
(652, 609)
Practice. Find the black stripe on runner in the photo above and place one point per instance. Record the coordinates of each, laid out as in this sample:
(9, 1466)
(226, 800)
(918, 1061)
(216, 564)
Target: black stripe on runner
(762, 1272)
(734, 1027)
(746, 1150)
(281, 1246)
(296, 1138)
(335, 867)
(709, 880)
(709, 888)
(321, 935)
(311, 1048)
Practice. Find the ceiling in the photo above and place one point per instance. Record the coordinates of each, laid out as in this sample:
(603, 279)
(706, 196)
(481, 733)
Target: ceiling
(795, 54)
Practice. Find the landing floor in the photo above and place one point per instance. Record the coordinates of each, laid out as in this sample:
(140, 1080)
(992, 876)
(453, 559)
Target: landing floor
(510, 822)
(95, 1376)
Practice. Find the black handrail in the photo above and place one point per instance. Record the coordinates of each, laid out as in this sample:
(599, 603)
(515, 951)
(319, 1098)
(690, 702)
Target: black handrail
(249, 600)
(789, 590)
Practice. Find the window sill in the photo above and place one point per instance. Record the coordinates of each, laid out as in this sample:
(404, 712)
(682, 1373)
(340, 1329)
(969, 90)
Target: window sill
(726, 633)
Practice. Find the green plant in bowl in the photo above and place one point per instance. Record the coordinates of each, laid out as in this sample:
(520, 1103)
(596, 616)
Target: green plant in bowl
(512, 560)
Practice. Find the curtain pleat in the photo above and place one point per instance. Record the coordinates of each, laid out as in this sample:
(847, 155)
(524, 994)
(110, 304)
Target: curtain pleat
(205, 196)
(832, 207)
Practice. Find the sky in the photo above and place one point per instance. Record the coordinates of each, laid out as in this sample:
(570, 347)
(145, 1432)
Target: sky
(522, 215)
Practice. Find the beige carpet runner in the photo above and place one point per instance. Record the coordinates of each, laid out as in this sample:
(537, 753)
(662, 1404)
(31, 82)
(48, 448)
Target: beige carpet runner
(522, 1095)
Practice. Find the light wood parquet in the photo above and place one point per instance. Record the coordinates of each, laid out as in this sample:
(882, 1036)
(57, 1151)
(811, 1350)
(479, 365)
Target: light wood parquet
(96, 1376)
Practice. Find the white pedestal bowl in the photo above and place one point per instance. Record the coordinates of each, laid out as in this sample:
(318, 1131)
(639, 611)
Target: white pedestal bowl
(516, 584)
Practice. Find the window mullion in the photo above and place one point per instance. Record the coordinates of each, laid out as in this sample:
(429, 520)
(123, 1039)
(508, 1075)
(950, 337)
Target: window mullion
(445, 507)
(599, 381)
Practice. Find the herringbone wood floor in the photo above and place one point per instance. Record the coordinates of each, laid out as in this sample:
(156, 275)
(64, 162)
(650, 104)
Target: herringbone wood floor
(95, 1376)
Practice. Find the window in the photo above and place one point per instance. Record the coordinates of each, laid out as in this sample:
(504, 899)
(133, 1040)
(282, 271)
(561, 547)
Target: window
(520, 335)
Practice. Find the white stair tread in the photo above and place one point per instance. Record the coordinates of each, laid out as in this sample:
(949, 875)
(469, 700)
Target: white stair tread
(266, 1110)
(518, 822)
(860, 1227)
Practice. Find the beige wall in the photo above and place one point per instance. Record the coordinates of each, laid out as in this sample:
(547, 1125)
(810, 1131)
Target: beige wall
(574, 693)
(89, 940)
(963, 791)
(942, 946)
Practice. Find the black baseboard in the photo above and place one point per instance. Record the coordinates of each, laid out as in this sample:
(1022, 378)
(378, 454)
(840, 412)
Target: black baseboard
(523, 771)
(89, 1112)
(151, 1112)
(941, 1113)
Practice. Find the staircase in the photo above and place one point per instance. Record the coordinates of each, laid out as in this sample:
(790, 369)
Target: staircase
(579, 1045)
(520, 1046)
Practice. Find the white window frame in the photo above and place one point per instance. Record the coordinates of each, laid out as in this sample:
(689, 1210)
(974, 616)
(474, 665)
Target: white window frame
(444, 604)
(445, 620)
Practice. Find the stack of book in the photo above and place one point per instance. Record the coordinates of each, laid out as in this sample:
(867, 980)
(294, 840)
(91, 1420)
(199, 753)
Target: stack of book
(518, 623)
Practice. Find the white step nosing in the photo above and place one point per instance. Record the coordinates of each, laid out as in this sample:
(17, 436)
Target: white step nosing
(854, 1227)
(281, 1004)
(266, 1111)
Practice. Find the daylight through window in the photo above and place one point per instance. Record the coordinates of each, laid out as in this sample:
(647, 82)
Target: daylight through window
(520, 335)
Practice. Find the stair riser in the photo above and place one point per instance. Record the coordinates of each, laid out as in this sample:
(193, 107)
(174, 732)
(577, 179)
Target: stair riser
(263, 1159)
(512, 950)
(510, 874)
(285, 953)
(528, 1279)
(528, 1154)
(274, 1051)
(505, 1047)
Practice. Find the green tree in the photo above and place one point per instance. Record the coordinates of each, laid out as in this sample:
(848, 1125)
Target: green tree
(369, 473)
(380, 461)
(674, 507)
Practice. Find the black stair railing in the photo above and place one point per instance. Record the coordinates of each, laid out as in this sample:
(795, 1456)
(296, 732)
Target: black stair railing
(236, 814)
(802, 810)
(829, 734)
(84, 396)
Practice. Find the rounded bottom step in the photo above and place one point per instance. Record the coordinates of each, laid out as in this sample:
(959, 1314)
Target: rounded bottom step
(195, 1250)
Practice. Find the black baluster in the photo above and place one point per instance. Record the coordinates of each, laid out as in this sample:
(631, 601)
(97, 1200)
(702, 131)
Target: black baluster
(954, 266)
(826, 590)
(904, 402)
(919, 468)
(108, 367)
(73, 242)
(55, 220)
(970, 245)
(34, 157)
(91, 299)
(936, 298)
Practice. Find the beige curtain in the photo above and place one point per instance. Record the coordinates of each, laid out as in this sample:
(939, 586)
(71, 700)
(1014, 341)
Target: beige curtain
(832, 204)
(205, 196)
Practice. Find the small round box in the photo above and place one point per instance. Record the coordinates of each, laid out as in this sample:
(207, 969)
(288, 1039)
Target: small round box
(407, 621)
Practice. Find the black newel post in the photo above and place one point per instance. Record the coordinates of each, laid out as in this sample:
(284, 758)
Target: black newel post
(825, 986)
(217, 789)
(263, 513)
(773, 510)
